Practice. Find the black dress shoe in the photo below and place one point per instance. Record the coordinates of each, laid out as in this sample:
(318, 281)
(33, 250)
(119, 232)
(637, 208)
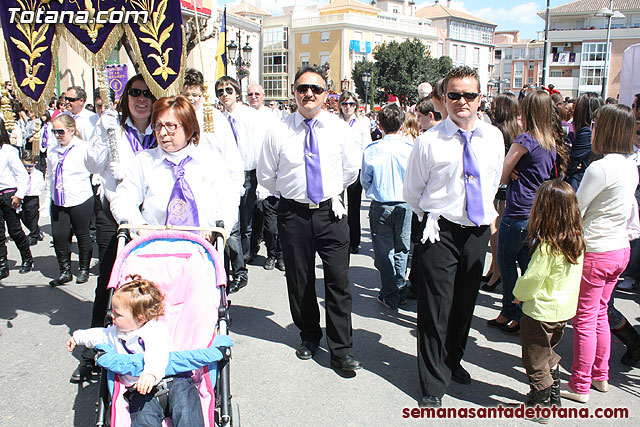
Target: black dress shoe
(511, 330)
(237, 284)
(306, 350)
(83, 372)
(27, 266)
(460, 375)
(269, 263)
(64, 277)
(280, 265)
(346, 363)
(495, 324)
(83, 276)
(429, 401)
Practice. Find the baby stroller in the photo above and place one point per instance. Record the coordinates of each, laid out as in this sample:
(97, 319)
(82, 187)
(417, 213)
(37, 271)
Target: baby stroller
(190, 273)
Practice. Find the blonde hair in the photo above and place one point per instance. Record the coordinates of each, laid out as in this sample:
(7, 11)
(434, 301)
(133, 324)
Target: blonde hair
(537, 119)
(142, 297)
(69, 122)
(410, 127)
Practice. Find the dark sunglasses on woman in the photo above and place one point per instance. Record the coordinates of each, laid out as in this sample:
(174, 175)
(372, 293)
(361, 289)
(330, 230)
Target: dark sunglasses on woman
(134, 92)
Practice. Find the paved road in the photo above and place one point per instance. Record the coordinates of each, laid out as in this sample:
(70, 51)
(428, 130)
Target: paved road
(273, 387)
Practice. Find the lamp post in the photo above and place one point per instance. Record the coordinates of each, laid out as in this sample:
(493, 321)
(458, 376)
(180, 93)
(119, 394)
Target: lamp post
(498, 83)
(366, 79)
(609, 14)
(242, 62)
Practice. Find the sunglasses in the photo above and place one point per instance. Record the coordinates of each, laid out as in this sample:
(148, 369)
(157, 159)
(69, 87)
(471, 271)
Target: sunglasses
(254, 94)
(171, 127)
(229, 90)
(29, 166)
(469, 96)
(348, 104)
(134, 92)
(58, 132)
(302, 89)
(69, 99)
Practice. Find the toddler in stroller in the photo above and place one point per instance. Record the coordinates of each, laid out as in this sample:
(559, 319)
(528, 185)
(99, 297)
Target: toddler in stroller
(136, 306)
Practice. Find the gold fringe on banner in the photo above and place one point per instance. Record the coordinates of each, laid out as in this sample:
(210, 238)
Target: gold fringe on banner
(96, 60)
(154, 87)
(40, 105)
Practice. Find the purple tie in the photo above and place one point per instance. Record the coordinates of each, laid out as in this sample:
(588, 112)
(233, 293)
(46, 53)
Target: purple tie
(182, 208)
(232, 122)
(473, 189)
(45, 136)
(351, 122)
(312, 164)
(132, 137)
(58, 193)
(28, 186)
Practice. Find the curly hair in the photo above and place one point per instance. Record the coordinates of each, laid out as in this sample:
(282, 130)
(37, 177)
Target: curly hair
(142, 297)
(556, 221)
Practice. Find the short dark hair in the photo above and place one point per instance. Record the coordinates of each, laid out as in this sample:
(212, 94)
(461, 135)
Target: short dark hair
(231, 81)
(391, 118)
(193, 77)
(426, 106)
(80, 92)
(28, 156)
(461, 72)
(184, 112)
(310, 69)
(636, 102)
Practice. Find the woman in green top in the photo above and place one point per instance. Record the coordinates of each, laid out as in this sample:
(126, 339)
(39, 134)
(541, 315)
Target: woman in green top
(549, 289)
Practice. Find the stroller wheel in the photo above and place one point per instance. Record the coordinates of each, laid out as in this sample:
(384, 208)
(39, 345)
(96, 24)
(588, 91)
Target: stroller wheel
(235, 415)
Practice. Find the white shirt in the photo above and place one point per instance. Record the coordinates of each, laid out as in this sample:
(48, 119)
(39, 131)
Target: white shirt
(35, 183)
(86, 122)
(150, 182)
(281, 167)
(100, 151)
(75, 175)
(154, 335)
(434, 181)
(605, 196)
(362, 127)
(12, 171)
(250, 135)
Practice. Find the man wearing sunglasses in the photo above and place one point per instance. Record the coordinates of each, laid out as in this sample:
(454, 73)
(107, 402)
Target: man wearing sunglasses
(309, 159)
(75, 98)
(451, 180)
(248, 136)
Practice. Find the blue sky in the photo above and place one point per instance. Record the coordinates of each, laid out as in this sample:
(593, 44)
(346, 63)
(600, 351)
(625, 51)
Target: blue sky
(508, 14)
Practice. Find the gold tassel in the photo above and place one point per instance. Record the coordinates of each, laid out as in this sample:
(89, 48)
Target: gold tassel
(98, 59)
(7, 111)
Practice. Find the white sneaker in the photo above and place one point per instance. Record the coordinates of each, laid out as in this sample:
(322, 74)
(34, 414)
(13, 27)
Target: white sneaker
(627, 283)
(601, 386)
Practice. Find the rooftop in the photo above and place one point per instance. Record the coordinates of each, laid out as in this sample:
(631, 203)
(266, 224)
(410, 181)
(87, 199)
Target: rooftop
(438, 11)
(587, 6)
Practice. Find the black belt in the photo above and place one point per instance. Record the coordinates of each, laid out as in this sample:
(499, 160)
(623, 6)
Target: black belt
(310, 206)
(8, 191)
(455, 224)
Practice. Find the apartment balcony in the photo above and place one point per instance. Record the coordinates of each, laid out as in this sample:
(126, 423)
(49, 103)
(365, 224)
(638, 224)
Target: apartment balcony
(564, 59)
(398, 24)
(580, 34)
(564, 83)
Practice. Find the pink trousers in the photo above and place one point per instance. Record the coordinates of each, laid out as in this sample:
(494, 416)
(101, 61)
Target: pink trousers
(592, 336)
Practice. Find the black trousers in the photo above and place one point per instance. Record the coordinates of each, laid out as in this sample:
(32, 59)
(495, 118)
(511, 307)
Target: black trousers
(238, 244)
(303, 232)
(448, 282)
(265, 219)
(62, 219)
(106, 238)
(9, 216)
(30, 214)
(354, 201)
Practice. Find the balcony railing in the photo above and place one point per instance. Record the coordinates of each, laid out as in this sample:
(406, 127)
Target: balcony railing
(374, 22)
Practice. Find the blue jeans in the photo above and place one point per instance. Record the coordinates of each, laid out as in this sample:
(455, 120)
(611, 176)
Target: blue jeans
(512, 252)
(184, 404)
(391, 236)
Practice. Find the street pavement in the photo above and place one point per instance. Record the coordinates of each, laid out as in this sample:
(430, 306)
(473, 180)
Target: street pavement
(271, 386)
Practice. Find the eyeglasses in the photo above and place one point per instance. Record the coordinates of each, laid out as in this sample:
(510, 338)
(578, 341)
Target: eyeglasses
(348, 104)
(192, 95)
(469, 96)
(302, 89)
(69, 99)
(58, 132)
(254, 94)
(29, 166)
(229, 90)
(171, 127)
(135, 92)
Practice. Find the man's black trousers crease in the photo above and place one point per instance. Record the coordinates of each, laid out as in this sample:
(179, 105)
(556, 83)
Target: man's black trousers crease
(303, 232)
(448, 283)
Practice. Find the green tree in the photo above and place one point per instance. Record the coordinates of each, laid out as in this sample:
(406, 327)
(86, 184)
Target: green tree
(356, 75)
(400, 67)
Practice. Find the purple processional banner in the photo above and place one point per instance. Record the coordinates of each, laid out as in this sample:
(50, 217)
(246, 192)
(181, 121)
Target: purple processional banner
(118, 77)
(32, 29)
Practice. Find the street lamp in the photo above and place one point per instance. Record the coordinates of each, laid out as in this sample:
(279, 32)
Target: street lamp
(498, 83)
(242, 62)
(609, 14)
(366, 79)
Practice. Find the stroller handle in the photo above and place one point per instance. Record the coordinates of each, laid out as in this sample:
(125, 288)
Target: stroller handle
(216, 230)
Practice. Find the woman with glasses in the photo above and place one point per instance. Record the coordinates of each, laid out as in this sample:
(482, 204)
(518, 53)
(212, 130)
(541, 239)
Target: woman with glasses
(71, 198)
(531, 160)
(349, 113)
(132, 133)
(178, 182)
